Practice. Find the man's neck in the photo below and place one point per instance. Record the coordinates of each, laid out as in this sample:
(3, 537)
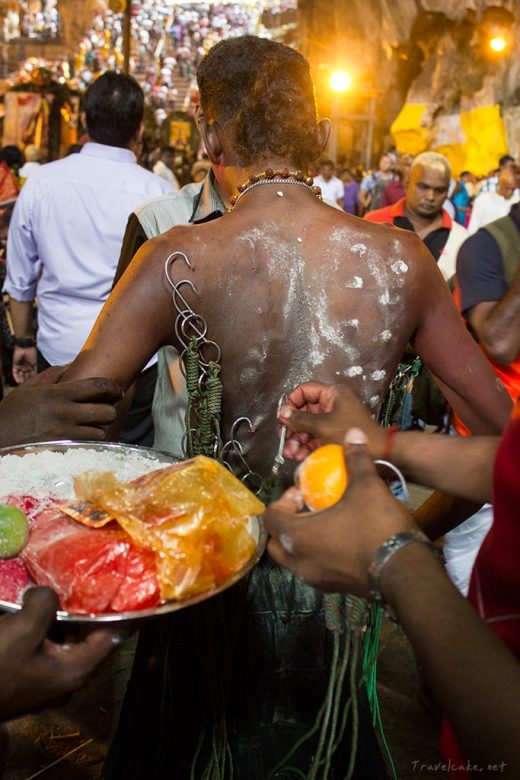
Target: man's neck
(230, 177)
(423, 225)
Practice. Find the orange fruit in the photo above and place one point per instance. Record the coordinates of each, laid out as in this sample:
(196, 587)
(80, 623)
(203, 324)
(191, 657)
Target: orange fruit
(322, 477)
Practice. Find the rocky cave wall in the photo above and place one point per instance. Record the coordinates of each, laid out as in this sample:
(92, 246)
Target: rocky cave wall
(429, 55)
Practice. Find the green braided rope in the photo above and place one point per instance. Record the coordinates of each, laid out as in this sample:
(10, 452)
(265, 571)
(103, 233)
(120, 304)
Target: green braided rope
(355, 711)
(192, 367)
(329, 707)
(400, 387)
(214, 395)
(333, 745)
(371, 651)
(341, 613)
(203, 410)
(203, 437)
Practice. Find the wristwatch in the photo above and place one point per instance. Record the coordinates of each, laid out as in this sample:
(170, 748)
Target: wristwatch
(24, 343)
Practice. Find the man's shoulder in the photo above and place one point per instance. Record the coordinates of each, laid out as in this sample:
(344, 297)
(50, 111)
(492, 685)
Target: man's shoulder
(458, 232)
(475, 241)
(163, 212)
(478, 251)
(53, 170)
(185, 197)
(381, 216)
(488, 196)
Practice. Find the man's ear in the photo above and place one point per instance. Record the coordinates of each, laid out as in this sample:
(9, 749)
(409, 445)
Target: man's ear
(324, 128)
(210, 136)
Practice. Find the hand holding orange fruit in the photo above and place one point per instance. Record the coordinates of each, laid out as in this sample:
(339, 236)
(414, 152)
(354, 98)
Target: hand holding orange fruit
(322, 477)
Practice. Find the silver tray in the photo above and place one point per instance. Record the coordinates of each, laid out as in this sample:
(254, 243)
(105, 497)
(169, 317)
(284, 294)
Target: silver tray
(120, 618)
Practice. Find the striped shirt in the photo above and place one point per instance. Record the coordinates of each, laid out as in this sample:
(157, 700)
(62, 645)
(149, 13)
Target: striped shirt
(193, 204)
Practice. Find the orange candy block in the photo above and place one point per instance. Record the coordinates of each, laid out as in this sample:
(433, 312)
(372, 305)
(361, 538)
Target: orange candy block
(322, 477)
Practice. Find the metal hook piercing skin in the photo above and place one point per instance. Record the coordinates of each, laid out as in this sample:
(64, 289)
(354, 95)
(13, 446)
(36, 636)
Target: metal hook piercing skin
(234, 444)
(171, 258)
(187, 307)
(237, 423)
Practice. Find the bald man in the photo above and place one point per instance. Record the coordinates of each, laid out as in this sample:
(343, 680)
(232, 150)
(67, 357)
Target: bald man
(490, 206)
(421, 211)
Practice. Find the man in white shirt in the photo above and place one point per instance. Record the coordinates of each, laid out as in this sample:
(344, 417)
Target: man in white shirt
(490, 206)
(32, 162)
(67, 227)
(491, 183)
(332, 188)
(164, 167)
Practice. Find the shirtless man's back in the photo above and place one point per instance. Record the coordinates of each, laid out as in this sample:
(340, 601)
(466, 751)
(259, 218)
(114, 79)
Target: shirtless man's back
(291, 290)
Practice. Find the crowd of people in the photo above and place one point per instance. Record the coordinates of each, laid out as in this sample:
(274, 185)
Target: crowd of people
(168, 41)
(34, 19)
(358, 192)
(329, 298)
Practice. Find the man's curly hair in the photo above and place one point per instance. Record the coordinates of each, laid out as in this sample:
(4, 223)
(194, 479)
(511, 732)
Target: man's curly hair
(263, 90)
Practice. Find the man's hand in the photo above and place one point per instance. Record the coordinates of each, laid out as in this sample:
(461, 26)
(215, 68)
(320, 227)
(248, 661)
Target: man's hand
(35, 671)
(316, 413)
(333, 549)
(44, 409)
(24, 364)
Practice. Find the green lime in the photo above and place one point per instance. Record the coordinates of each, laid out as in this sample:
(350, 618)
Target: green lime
(14, 531)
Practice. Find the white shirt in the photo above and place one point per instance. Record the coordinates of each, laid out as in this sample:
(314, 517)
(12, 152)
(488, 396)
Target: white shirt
(488, 207)
(448, 257)
(332, 190)
(161, 169)
(28, 169)
(65, 238)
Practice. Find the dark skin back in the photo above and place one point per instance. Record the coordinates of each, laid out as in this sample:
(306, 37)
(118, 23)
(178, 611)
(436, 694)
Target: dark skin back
(339, 305)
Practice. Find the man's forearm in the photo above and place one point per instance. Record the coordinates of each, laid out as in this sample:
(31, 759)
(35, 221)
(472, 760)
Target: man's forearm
(460, 466)
(441, 513)
(499, 334)
(22, 318)
(474, 676)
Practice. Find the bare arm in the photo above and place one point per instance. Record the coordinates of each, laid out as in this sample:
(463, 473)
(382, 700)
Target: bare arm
(135, 321)
(460, 466)
(24, 358)
(468, 668)
(465, 376)
(497, 324)
(22, 317)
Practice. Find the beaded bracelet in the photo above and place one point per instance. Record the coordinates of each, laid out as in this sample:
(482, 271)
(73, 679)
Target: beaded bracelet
(387, 550)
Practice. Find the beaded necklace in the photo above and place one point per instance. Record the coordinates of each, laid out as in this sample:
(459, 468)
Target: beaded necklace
(271, 176)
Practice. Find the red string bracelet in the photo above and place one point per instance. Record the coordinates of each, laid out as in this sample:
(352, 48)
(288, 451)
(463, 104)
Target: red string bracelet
(389, 441)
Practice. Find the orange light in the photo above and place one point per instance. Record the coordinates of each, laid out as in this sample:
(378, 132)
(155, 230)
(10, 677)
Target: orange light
(340, 81)
(497, 44)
